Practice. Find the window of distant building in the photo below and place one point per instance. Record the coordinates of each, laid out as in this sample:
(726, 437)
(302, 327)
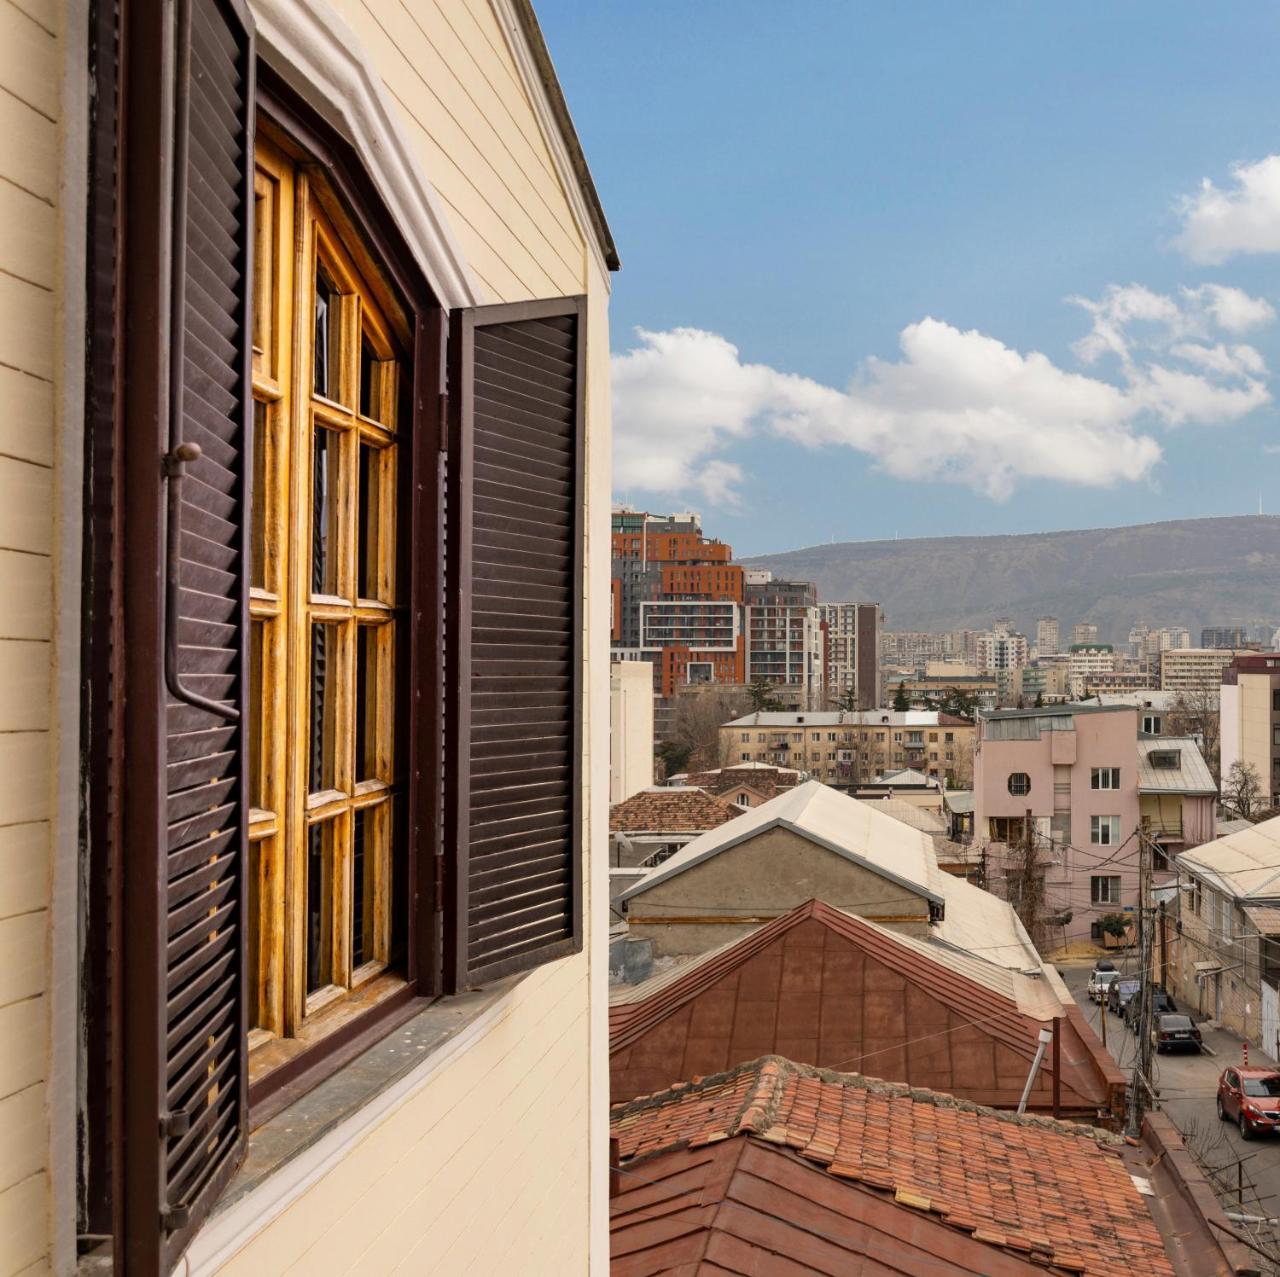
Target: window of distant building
(1019, 783)
(1104, 889)
(1104, 778)
(1104, 831)
(1151, 724)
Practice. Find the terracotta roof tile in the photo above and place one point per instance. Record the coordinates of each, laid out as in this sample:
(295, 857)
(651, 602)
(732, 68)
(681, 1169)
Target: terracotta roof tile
(670, 811)
(1055, 1191)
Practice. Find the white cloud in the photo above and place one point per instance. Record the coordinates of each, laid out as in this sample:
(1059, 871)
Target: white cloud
(1218, 223)
(959, 407)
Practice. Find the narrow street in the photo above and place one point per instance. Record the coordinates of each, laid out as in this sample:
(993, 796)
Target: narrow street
(1188, 1086)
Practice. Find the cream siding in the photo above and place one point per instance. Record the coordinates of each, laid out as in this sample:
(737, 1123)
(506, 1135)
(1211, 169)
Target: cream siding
(30, 73)
(469, 120)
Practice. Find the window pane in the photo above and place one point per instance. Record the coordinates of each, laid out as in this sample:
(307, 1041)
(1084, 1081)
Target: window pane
(257, 785)
(368, 576)
(328, 338)
(320, 857)
(325, 548)
(324, 706)
(368, 861)
(260, 512)
(368, 379)
(257, 935)
(367, 677)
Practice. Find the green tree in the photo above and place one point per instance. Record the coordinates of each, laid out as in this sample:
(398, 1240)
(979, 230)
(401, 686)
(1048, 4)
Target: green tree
(1039, 701)
(901, 701)
(848, 701)
(762, 697)
(673, 756)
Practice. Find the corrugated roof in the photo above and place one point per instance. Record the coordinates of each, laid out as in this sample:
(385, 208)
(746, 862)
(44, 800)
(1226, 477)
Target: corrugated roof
(798, 984)
(670, 811)
(973, 919)
(1058, 1193)
(1191, 776)
(1245, 865)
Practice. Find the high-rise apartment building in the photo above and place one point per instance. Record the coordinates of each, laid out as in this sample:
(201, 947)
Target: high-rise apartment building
(1048, 636)
(1250, 717)
(677, 601)
(1086, 661)
(1000, 650)
(852, 634)
(1192, 669)
(784, 646)
(1084, 632)
(1224, 636)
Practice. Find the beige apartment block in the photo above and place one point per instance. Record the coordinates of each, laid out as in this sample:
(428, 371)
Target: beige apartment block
(1250, 718)
(843, 748)
(630, 728)
(409, 1096)
(1193, 669)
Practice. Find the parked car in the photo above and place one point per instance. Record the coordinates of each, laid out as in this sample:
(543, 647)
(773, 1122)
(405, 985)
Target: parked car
(1161, 1003)
(1174, 1033)
(1251, 1099)
(1121, 994)
(1100, 978)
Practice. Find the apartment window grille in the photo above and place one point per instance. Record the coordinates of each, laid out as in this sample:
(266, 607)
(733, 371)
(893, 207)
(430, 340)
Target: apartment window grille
(1019, 783)
(1104, 889)
(1104, 831)
(1104, 778)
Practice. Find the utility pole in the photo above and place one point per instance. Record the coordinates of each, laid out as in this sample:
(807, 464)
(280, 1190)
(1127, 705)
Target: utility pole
(1142, 1084)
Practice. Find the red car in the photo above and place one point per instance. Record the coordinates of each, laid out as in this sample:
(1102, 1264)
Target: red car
(1251, 1099)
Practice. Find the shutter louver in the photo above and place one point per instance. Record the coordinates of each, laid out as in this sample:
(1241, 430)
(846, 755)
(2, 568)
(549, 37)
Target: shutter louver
(186, 983)
(521, 498)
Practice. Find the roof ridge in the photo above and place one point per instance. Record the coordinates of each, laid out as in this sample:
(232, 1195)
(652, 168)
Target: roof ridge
(775, 1070)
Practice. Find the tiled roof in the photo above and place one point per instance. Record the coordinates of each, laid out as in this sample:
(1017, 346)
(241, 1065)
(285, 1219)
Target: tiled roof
(1059, 1194)
(765, 782)
(670, 811)
(828, 988)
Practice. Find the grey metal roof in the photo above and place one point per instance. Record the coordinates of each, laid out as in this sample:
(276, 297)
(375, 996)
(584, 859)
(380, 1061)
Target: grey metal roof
(1191, 776)
(959, 801)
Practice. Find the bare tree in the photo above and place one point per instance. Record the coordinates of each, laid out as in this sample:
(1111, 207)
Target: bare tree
(1194, 712)
(1242, 789)
(697, 716)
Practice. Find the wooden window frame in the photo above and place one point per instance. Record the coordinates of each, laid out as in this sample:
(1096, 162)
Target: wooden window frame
(293, 127)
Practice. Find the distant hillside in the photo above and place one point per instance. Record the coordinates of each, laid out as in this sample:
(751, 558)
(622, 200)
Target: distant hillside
(1193, 572)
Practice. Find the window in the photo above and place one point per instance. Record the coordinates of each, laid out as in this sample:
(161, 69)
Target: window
(949, 738)
(1019, 783)
(1275, 700)
(744, 799)
(1104, 778)
(1165, 759)
(1196, 898)
(326, 609)
(1104, 889)
(1104, 831)
(933, 736)
(746, 738)
(1151, 724)
(746, 758)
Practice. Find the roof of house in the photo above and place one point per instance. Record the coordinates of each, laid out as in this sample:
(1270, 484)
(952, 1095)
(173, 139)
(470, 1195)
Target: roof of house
(907, 778)
(922, 818)
(1191, 776)
(859, 832)
(849, 718)
(1243, 865)
(1068, 708)
(1226, 827)
(760, 778)
(670, 811)
(959, 801)
(1056, 1194)
(789, 985)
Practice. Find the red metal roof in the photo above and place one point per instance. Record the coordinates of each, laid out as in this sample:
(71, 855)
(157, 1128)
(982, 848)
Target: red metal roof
(825, 988)
(1055, 1194)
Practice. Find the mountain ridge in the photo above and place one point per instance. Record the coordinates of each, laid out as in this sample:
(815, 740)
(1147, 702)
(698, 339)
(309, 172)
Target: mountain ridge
(1193, 572)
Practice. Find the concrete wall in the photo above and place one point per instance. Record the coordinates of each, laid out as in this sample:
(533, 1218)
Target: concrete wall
(630, 728)
(761, 879)
(1254, 731)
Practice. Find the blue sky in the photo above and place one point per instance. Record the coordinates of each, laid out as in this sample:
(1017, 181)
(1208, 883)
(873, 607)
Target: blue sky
(805, 182)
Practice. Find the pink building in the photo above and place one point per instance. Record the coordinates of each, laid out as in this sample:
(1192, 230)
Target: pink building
(1084, 783)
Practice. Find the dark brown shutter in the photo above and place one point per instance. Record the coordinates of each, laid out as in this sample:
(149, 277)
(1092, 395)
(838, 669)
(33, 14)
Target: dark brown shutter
(185, 817)
(516, 539)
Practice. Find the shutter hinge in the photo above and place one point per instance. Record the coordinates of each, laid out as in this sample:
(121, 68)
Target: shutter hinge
(437, 890)
(175, 1123)
(175, 1217)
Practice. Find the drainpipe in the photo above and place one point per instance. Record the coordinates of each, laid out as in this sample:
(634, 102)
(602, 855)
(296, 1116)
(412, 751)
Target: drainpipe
(1045, 1037)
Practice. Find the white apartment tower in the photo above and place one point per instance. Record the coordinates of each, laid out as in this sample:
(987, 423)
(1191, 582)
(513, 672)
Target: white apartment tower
(1048, 636)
